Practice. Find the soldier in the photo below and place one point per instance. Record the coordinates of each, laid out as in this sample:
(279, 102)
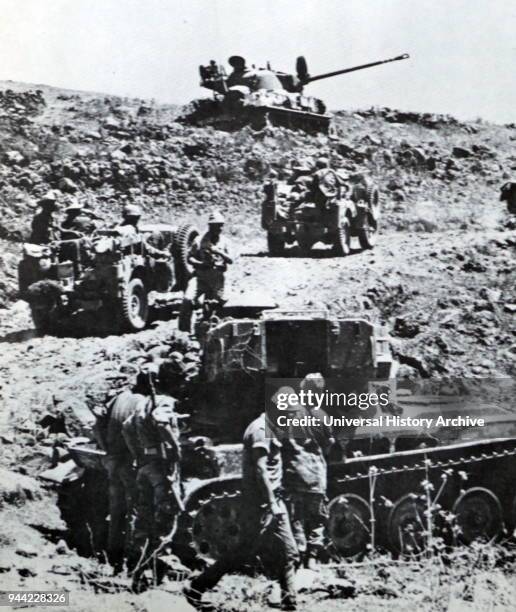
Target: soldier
(152, 434)
(508, 194)
(78, 220)
(118, 463)
(44, 228)
(305, 479)
(237, 77)
(264, 519)
(210, 258)
(131, 215)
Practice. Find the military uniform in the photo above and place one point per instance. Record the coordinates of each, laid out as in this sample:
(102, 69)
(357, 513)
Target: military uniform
(152, 434)
(210, 257)
(209, 278)
(44, 228)
(82, 224)
(121, 473)
(305, 483)
(263, 533)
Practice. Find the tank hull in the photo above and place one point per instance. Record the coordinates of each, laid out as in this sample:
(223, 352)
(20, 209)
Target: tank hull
(212, 113)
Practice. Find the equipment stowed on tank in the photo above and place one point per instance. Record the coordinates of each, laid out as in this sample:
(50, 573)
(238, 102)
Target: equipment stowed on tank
(257, 96)
(377, 482)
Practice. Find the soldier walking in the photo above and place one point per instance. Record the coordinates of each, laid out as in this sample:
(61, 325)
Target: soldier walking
(210, 258)
(266, 529)
(44, 228)
(152, 434)
(305, 478)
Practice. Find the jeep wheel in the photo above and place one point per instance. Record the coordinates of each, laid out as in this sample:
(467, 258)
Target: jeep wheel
(373, 199)
(368, 234)
(135, 306)
(342, 240)
(185, 236)
(275, 244)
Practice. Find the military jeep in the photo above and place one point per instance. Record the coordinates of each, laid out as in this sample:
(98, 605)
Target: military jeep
(322, 207)
(111, 276)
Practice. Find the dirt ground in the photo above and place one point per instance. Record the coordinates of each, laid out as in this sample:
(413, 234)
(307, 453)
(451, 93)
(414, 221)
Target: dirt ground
(444, 267)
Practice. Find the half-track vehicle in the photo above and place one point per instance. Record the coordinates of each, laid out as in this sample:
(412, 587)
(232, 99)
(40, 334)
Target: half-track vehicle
(111, 275)
(322, 206)
(256, 96)
(378, 484)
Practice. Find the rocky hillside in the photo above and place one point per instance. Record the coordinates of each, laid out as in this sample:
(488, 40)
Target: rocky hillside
(442, 277)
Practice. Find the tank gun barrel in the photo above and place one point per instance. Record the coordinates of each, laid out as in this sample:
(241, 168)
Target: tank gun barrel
(327, 75)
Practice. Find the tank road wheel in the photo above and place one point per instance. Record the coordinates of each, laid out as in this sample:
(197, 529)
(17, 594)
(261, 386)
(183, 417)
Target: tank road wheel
(216, 526)
(368, 234)
(478, 513)
(349, 520)
(275, 244)
(407, 524)
(185, 236)
(342, 240)
(135, 306)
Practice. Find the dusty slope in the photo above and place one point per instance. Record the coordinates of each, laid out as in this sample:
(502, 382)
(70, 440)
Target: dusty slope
(442, 276)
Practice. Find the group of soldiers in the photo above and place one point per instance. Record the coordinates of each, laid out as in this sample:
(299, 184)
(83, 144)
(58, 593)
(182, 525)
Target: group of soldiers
(283, 478)
(45, 227)
(282, 509)
(209, 255)
(139, 432)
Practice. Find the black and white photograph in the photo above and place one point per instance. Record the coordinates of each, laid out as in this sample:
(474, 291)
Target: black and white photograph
(258, 305)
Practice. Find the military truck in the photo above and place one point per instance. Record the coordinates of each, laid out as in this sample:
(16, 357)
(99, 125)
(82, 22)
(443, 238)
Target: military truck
(320, 206)
(257, 96)
(111, 276)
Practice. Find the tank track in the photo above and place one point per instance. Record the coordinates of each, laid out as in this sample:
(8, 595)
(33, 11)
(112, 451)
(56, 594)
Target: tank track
(465, 510)
(466, 500)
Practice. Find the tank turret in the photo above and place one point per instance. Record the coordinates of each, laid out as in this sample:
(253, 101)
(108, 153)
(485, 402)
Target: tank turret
(250, 95)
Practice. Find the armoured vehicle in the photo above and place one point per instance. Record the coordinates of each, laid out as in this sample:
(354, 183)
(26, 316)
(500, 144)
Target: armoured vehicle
(320, 206)
(381, 485)
(111, 275)
(256, 96)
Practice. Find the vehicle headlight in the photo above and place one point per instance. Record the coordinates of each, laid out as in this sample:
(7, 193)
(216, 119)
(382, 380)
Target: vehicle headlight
(45, 264)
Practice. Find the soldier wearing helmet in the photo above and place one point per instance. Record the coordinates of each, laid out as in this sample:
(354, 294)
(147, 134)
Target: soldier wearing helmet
(152, 435)
(118, 463)
(304, 473)
(237, 77)
(131, 214)
(44, 228)
(78, 220)
(322, 162)
(210, 258)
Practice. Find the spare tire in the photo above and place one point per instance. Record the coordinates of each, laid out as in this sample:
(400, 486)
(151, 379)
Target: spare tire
(184, 238)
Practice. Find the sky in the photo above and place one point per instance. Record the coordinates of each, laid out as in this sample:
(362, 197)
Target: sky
(463, 52)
